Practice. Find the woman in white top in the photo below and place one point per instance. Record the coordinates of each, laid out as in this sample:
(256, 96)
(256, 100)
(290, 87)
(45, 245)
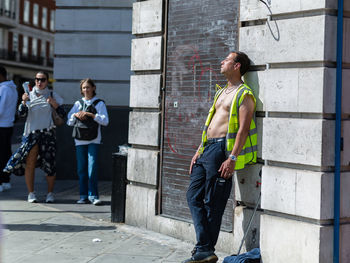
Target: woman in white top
(87, 115)
(38, 147)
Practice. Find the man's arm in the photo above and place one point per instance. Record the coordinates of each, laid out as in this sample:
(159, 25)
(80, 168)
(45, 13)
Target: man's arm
(246, 113)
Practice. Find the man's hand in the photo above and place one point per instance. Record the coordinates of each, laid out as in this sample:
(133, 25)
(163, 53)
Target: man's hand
(227, 168)
(193, 161)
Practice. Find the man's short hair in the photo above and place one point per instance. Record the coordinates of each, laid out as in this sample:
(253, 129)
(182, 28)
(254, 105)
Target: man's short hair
(3, 72)
(244, 60)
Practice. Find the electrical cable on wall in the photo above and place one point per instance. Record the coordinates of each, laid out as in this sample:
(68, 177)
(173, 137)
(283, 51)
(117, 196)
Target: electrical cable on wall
(277, 36)
(265, 3)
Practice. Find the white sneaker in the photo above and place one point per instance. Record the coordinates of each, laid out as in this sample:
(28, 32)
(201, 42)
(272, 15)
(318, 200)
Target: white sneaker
(6, 186)
(97, 202)
(1, 188)
(50, 198)
(83, 201)
(32, 197)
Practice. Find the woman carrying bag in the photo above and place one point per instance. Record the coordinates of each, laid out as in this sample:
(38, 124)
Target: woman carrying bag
(87, 115)
(38, 147)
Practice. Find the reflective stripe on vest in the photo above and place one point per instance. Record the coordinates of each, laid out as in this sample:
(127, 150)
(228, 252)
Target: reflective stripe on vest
(249, 151)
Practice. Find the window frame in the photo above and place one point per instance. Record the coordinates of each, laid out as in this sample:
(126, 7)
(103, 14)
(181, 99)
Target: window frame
(36, 8)
(25, 47)
(26, 11)
(34, 47)
(44, 10)
(52, 20)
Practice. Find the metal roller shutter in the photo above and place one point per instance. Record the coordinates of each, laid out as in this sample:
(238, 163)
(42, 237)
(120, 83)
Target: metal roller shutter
(200, 34)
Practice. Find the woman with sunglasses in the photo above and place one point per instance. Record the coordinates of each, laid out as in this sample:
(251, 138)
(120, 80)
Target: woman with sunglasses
(38, 147)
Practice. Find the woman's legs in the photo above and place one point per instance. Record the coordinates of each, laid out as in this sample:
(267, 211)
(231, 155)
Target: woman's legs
(93, 170)
(50, 183)
(82, 169)
(30, 167)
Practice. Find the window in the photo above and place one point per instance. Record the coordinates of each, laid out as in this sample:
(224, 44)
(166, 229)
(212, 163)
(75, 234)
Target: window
(43, 48)
(34, 47)
(13, 8)
(15, 42)
(44, 18)
(7, 8)
(25, 45)
(36, 14)
(26, 11)
(52, 20)
(51, 50)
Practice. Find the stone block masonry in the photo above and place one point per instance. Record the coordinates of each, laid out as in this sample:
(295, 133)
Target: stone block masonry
(92, 40)
(292, 45)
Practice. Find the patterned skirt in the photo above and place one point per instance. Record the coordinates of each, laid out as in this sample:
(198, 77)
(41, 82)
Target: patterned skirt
(46, 140)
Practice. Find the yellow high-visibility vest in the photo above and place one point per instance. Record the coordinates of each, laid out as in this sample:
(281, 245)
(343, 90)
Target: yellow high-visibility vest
(248, 155)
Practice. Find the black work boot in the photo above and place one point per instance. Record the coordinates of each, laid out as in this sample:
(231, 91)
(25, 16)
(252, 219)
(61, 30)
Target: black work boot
(202, 257)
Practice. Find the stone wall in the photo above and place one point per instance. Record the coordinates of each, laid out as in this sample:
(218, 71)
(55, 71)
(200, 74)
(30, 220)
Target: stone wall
(293, 48)
(92, 40)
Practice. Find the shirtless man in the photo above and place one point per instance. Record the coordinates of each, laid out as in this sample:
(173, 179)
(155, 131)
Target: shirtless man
(229, 141)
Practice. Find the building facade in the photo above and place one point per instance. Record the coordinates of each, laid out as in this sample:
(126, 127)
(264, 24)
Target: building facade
(26, 37)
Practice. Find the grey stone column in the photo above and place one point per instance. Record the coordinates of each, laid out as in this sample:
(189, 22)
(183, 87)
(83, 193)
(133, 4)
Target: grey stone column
(144, 119)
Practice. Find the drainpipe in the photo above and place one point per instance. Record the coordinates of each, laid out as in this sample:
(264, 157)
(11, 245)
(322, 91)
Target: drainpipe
(338, 132)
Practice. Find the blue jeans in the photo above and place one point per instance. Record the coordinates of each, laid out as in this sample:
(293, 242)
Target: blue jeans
(207, 195)
(87, 156)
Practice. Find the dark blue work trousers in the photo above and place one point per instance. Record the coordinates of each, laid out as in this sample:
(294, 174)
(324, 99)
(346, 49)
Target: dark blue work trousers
(207, 195)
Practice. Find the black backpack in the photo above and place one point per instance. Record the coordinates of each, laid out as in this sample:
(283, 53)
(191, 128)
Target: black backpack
(86, 130)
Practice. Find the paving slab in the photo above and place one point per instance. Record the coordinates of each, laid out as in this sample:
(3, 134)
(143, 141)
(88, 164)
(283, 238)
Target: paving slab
(67, 232)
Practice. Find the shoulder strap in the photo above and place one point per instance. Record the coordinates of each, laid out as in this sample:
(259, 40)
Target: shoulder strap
(97, 101)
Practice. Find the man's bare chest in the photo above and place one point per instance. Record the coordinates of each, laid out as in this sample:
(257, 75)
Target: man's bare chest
(224, 101)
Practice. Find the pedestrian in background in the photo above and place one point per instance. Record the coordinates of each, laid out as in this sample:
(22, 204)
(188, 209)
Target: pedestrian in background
(38, 147)
(87, 115)
(8, 102)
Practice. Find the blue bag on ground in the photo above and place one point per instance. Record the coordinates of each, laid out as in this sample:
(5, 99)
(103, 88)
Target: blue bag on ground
(249, 257)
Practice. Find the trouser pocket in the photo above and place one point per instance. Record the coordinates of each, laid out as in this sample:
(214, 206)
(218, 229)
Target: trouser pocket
(221, 193)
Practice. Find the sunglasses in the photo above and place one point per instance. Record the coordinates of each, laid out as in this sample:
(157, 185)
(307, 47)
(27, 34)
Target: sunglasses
(40, 79)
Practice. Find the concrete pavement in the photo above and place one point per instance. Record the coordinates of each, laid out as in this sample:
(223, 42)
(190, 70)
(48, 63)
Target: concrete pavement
(67, 232)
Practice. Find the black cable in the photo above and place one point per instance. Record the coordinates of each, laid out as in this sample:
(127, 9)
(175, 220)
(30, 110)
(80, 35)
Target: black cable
(277, 37)
(264, 2)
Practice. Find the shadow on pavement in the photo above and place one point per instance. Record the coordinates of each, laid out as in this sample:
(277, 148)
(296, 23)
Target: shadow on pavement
(48, 211)
(55, 228)
(66, 195)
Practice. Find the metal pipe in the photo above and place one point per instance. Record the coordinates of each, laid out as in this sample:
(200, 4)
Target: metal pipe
(338, 114)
